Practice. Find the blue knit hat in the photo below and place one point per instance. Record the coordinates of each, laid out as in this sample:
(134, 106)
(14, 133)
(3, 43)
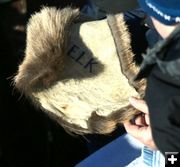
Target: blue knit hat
(166, 11)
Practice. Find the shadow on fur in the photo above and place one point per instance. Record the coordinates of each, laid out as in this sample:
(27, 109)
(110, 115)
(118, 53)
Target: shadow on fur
(46, 52)
(46, 58)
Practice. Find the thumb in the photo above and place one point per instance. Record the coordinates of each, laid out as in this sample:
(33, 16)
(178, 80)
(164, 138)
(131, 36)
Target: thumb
(139, 104)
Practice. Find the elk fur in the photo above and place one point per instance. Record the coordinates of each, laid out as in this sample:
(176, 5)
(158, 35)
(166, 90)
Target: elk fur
(47, 39)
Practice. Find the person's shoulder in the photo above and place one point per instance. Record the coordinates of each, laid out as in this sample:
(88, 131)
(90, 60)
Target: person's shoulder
(168, 61)
(174, 43)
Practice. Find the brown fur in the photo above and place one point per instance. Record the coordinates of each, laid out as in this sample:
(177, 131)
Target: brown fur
(126, 57)
(46, 53)
(46, 48)
(129, 68)
(106, 125)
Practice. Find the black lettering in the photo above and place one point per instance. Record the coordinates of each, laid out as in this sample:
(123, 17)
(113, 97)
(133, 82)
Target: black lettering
(73, 49)
(90, 64)
(79, 58)
(76, 53)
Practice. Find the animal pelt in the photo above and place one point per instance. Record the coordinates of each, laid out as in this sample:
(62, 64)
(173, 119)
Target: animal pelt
(83, 98)
(126, 57)
(47, 34)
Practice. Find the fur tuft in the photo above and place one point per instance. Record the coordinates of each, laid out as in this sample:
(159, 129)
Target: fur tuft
(47, 34)
(105, 125)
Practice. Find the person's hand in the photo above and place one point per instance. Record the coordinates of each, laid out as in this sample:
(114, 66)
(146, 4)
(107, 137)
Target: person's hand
(140, 127)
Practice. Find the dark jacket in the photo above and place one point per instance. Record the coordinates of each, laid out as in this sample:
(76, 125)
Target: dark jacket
(161, 67)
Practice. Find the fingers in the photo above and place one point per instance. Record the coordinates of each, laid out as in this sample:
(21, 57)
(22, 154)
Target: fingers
(139, 104)
(140, 127)
(140, 120)
(130, 128)
(147, 120)
(142, 133)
